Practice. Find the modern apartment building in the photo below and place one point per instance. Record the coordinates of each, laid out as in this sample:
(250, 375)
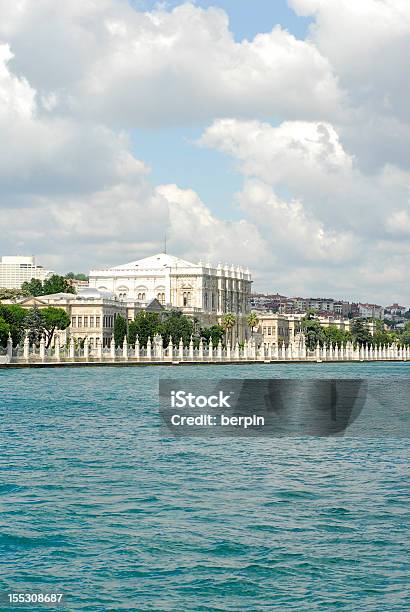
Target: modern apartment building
(17, 269)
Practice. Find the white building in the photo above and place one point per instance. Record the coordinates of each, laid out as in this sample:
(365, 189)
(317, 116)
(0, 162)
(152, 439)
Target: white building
(16, 269)
(199, 290)
(372, 311)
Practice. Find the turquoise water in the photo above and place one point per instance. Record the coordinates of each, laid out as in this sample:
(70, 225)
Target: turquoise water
(96, 505)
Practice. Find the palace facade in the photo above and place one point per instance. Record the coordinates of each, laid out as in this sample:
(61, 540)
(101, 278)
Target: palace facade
(199, 290)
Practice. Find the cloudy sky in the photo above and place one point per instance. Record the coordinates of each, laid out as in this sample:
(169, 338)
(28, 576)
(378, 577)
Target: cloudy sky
(265, 133)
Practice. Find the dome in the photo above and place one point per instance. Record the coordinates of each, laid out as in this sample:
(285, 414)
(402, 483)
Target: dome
(92, 292)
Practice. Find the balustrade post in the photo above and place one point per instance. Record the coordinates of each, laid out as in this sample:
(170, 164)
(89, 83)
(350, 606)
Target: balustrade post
(220, 349)
(86, 350)
(42, 348)
(71, 349)
(125, 348)
(210, 350)
(9, 350)
(26, 348)
(57, 348)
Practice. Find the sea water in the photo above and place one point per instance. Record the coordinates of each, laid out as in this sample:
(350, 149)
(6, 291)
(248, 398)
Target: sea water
(97, 505)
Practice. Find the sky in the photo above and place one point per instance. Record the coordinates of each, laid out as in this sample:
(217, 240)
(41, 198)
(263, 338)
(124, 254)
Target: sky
(268, 134)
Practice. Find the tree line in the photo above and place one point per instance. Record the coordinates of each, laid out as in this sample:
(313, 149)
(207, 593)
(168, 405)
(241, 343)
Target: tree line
(359, 334)
(17, 321)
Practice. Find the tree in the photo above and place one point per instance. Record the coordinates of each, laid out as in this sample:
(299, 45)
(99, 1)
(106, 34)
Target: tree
(176, 325)
(120, 330)
(54, 284)
(11, 294)
(146, 324)
(228, 323)
(52, 319)
(335, 335)
(15, 317)
(4, 332)
(34, 325)
(33, 287)
(253, 321)
(78, 276)
(312, 329)
(45, 321)
(405, 335)
(57, 284)
(360, 333)
(215, 332)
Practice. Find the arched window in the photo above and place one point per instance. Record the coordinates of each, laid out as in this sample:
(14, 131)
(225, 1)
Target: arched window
(161, 298)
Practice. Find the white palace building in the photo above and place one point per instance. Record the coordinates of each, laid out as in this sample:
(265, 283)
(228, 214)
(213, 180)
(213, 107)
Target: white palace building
(198, 290)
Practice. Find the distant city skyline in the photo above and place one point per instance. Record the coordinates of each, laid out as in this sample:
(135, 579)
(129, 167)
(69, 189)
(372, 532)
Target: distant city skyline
(273, 135)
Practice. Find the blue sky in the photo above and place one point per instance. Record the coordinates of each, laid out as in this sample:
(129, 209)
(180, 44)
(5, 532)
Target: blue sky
(171, 153)
(247, 17)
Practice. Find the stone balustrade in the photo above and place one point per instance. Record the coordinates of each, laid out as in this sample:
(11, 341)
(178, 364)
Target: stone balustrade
(176, 353)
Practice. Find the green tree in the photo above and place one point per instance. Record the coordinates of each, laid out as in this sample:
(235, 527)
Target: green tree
(228, 323)
(334, 335)
(11, 294)
(52, 319)
(79, 276)
(146, 324)
(33, 287)
(34, 325)
(56, 284)
(45, 321)
(4, 332)
(216, 332)
(360, 333)
(312, 329)
(252, 321)
(15, 316)
(120, 330)
(176, 325)
(405, 335)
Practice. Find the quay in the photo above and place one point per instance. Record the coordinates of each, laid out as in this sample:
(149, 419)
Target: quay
(154, 353)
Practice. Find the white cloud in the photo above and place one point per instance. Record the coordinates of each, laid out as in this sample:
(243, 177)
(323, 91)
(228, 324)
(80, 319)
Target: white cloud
(201, 235)
(310, 201)
(367, 43)
(117, 65)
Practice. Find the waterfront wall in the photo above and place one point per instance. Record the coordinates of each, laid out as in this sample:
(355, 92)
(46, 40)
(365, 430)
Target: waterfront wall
(154, 352)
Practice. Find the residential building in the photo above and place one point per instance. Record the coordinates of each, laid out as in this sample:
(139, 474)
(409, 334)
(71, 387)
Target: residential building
(395, 310)
(276, 328)
(372, 311)
(16, 270)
